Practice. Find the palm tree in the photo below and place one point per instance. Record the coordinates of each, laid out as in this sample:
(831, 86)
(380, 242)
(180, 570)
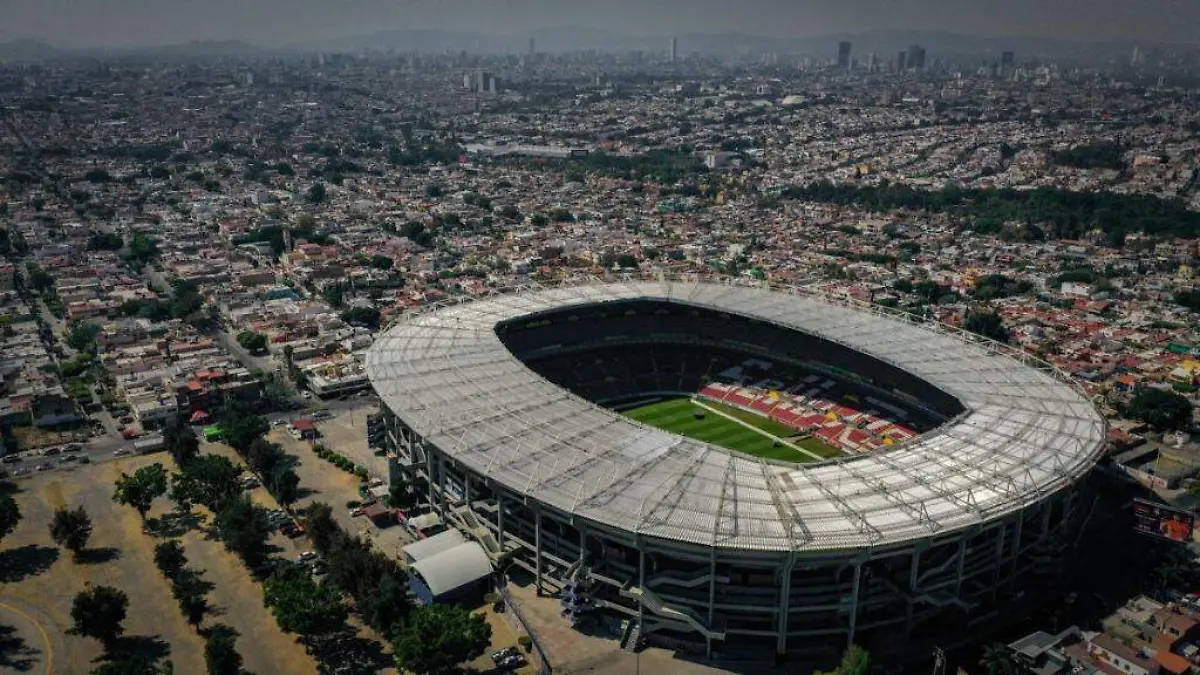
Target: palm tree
(998, 660)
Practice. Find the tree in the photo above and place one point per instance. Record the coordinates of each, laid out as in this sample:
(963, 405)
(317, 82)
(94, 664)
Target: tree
(855, 661)
(318, 519)
(382, 262)
(303, 606)
(170, 558)
(998, 660)
(98, 613)
(210, 480)
(263, 456)
(366, 316)
(285, 485)
(244, 530)
(10, 515)
(252, 342)
(194, 606)
(82, 336)
(142, 488)
(181, 442)
(133, 665)
(316, 193)
(986, 324)
(436, 638)
(242, 430)
(220, 651)
(71, 529)
(1161, 409)
(386, 608)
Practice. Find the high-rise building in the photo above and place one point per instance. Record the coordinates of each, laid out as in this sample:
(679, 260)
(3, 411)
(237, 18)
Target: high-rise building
(674, 49)
(843, 60)
(916, 57)
(532, 47)
(1007, 60)
(901, 62)
(873, 62)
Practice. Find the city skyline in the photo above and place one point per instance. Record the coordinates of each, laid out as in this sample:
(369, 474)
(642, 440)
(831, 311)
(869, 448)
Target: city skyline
(274, 23)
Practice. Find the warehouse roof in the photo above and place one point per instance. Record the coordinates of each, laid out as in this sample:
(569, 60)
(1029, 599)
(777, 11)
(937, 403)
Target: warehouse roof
(453, 568)
(1027, 431)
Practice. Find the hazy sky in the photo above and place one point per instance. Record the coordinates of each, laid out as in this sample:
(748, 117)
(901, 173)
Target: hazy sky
(281, 22)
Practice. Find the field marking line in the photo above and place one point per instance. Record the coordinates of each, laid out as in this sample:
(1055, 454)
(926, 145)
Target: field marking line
(746, 424)
(45, 637)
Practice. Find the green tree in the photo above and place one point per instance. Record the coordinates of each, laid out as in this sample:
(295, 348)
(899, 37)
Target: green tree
(82, 336)
(322, 528)
(244, 530)
(382, 262)
(1189, 299)
(170, 558)
(855, 661)
(10, 515)
(437, 638)
(998, 660)
(316, 193)
(181, 442)
(252, 342)
(71, 529)
(303, 606)
(194, 605)
(263, 456)
(133, 664)
(142, 488)
(242, 430)
(285, 485)
(986, 324)
(98, 613)
(366, 316)
(386, 608)
(1161, 409)
(210, 480)
(220, 651)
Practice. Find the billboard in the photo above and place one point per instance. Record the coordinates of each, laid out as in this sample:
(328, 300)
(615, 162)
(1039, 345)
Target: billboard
(1163, 521)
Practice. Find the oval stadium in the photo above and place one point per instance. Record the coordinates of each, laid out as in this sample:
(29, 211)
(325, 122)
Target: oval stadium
(729, 468)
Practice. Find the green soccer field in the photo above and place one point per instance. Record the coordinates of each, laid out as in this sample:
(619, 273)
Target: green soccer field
(678, 415)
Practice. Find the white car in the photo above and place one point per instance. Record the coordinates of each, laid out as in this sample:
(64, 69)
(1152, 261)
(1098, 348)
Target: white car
(356, 512)
(307, 556)
(122, 452)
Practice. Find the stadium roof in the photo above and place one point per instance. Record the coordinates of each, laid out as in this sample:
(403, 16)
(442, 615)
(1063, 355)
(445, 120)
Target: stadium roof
(1026, 432)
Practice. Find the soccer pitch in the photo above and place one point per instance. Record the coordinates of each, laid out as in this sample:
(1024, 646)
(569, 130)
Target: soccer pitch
(678, 415)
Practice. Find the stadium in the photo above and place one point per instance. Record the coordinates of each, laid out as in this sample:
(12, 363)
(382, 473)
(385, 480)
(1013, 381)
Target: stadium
(730, 468)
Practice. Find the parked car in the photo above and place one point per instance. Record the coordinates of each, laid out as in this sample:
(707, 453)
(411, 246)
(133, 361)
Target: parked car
(10, 459)
(84, 459)
(67, 459)
(356, 512)
(121, 452)
(499, 656)
(46, 466)
(307, 556)
(511, 662)
(47, 452)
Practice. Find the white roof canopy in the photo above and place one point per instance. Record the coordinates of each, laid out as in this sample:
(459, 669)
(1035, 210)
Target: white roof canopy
(1025, 434)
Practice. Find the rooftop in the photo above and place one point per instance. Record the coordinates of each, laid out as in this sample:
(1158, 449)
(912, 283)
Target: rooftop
(1026, 433)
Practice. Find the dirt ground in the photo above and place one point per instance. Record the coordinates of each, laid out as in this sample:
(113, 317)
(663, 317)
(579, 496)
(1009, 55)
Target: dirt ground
(38, 581)
(319, 481)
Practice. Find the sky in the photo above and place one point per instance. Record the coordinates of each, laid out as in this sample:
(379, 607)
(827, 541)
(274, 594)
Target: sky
(87, 23)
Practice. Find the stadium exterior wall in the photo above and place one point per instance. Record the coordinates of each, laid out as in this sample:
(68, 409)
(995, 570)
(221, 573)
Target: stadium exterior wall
(899, 599)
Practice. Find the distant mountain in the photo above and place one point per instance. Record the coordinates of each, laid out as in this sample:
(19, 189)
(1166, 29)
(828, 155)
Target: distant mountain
(34, 50)
(575, 39)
